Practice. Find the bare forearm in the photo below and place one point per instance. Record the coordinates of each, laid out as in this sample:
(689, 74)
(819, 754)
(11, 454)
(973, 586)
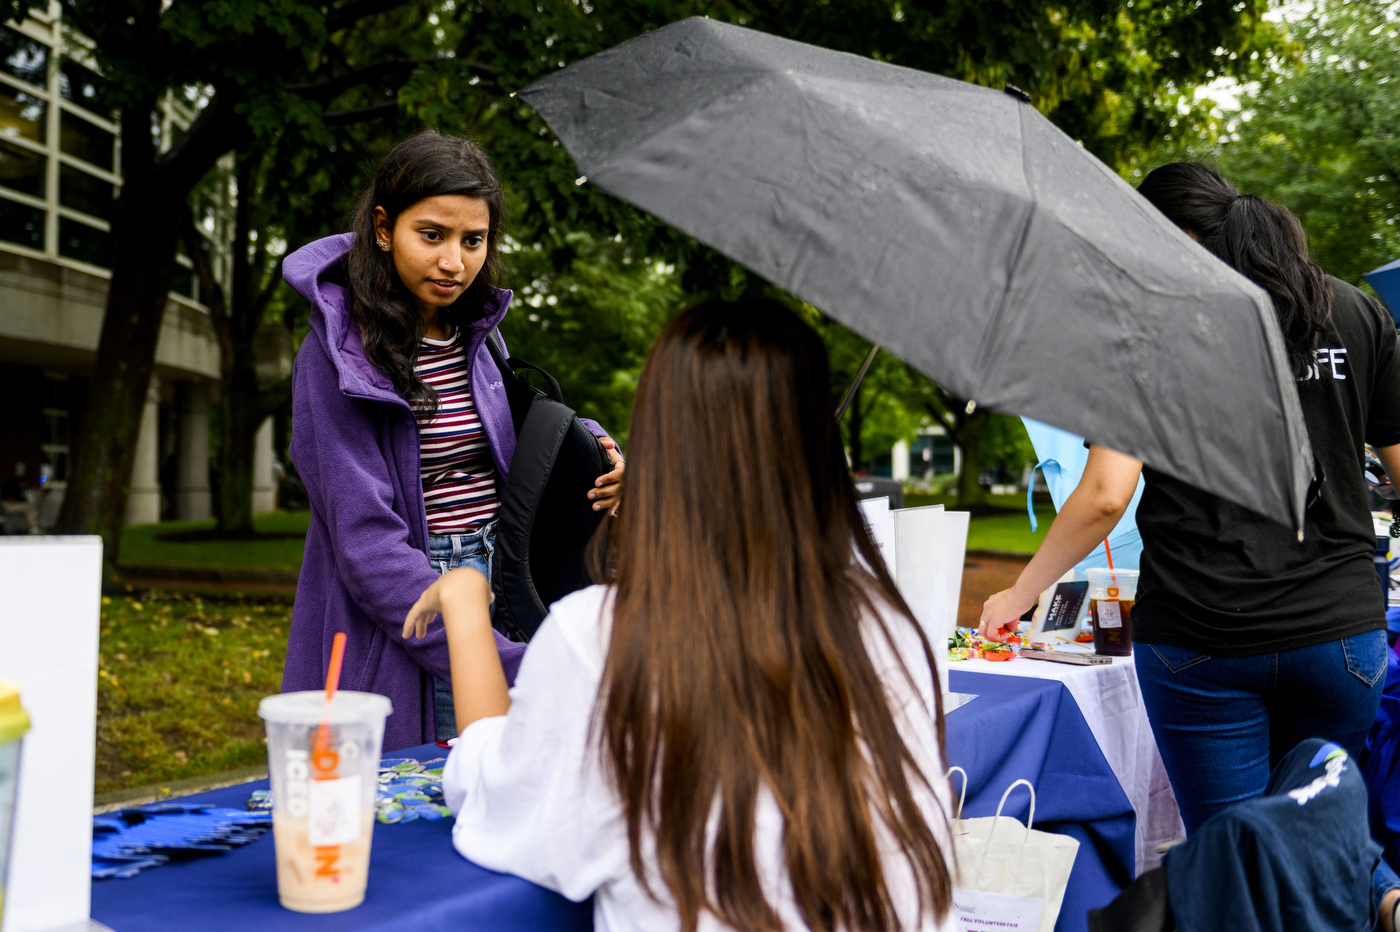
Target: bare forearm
(1079, 527)
(478, 681)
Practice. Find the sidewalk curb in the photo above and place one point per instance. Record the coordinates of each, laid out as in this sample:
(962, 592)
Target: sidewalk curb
(158, 792)
(1000, 555)
(209, 574)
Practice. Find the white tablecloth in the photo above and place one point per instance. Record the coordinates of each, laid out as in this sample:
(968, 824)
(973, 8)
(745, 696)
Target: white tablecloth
(1111, 703)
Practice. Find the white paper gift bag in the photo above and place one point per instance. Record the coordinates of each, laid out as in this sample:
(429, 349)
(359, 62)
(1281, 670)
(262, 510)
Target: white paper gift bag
(1009, 878)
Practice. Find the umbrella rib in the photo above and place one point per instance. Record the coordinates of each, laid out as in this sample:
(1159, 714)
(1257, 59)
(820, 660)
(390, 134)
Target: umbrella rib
(994, 325)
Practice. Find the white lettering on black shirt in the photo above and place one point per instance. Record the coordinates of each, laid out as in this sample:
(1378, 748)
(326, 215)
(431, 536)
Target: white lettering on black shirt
(1330, 361)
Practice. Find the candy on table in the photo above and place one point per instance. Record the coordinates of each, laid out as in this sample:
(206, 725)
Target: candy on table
(967, 644)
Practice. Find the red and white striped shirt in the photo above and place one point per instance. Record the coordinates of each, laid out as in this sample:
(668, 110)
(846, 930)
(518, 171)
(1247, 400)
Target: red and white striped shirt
(459, 474)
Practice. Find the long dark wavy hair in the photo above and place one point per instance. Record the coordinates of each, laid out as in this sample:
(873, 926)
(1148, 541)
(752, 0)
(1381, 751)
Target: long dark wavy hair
(428, 164)
(744, 577)
(1261, 239)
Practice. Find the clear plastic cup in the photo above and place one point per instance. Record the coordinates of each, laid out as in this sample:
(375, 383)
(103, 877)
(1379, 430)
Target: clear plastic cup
(1112, 595)
(324, 765)
(14, 723)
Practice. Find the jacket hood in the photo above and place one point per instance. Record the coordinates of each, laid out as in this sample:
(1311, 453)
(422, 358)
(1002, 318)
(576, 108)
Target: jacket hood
(333, 323)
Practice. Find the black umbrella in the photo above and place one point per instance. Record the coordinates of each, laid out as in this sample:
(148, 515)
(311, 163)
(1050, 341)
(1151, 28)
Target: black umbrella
(955, 226)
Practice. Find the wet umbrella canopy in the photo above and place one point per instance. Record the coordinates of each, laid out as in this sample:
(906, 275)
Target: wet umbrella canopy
(955, 226)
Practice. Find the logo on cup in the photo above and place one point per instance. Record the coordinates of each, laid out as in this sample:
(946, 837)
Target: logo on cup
(296, 772)
(1113, 592)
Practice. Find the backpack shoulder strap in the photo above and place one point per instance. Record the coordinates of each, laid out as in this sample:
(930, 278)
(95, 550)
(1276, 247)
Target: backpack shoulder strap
(508, 366)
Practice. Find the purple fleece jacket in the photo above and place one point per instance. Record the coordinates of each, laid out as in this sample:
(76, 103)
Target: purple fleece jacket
(355, 445)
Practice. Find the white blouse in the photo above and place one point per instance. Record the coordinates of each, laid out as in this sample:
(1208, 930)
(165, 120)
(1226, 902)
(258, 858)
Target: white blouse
(532, 798)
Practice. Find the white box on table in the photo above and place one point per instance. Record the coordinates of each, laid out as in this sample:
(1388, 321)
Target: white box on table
(50, 608)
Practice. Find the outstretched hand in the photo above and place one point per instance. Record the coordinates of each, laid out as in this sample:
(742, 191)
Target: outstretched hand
(460, 586)
(607, 488)
(1001, 614)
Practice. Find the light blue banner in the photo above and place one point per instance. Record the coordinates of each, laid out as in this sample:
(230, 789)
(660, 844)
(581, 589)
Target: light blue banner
(1061, 457)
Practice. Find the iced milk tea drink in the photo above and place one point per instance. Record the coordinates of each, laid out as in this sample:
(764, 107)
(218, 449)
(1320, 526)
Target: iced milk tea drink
(323, 762)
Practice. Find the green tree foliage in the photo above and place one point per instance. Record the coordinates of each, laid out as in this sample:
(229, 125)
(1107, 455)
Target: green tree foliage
(1322, 135)
(592, 324)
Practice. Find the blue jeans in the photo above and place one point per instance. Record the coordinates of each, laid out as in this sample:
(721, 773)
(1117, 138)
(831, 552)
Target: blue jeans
(1222, 723)
(450, 552)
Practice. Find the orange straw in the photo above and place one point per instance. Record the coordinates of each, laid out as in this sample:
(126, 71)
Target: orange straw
(1106, 552)
(321, 761)
(338, 655)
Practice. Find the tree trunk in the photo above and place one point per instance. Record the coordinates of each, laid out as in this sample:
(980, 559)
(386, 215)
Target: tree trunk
(969, 441)
(145, 227)
(236, 316)
(965, 423)
(242, 416)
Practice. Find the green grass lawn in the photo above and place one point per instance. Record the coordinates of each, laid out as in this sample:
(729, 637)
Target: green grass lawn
(178, 684)
(152, 544)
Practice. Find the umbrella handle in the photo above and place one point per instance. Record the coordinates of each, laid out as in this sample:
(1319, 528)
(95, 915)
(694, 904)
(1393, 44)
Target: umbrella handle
(860, 377)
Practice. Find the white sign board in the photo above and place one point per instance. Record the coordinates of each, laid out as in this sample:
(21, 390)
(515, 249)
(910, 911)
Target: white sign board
(955, 525)
(50, 606)
(877, 517)
(919, 542)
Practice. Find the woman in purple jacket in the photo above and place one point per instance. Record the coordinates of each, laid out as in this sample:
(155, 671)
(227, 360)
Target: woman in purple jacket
(401, 428)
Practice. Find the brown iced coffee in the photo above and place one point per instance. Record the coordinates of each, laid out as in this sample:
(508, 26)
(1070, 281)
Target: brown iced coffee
(1112, 593)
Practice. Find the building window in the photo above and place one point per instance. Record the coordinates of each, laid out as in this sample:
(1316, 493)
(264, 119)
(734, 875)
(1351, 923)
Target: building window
(54, 452)
(77, 240)
(22, 169)
(23, 57)
(22, 115)
(182, 280)
(86, 88)
(83, 140)
(22, 224)
(59, 184)
(87, 193)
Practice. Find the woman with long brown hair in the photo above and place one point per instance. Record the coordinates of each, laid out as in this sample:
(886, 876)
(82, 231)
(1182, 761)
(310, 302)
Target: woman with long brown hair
(741, 728)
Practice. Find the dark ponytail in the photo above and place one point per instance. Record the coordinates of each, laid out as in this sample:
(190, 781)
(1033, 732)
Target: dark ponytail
(1261, 239)
(428, 164)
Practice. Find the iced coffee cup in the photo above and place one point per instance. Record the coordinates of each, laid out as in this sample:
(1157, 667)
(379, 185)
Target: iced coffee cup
(323, 761)
(1112, 594)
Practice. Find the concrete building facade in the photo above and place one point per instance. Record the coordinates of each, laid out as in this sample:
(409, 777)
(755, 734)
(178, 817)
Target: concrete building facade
(60, 171)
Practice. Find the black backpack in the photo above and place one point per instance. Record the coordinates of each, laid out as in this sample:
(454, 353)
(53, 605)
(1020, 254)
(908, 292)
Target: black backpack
(546, 519)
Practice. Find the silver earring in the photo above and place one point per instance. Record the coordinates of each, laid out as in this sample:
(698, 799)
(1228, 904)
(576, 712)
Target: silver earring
(384, 246)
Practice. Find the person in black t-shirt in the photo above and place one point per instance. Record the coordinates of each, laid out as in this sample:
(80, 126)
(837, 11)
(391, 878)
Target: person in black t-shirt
(1250, 638)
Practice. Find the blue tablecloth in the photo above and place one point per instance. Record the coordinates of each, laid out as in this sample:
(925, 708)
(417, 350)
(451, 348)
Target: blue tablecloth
(417, 883)
(1024, 728)
(1017, 727)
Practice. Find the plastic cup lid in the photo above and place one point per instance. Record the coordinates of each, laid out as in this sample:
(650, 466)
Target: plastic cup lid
(309, 708)
(14, 721)
(1102, 572)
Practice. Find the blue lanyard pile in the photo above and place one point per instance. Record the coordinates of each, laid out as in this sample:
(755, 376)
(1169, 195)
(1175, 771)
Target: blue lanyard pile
(127, 842)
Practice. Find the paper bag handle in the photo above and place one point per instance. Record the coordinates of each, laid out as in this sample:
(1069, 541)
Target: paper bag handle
(1030, 819)
(963, 797)
(996, 820)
